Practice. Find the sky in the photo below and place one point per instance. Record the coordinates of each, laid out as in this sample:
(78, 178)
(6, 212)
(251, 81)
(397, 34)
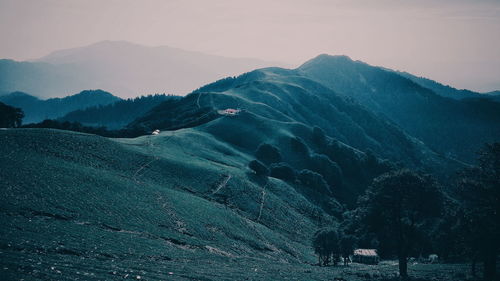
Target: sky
(456, 42)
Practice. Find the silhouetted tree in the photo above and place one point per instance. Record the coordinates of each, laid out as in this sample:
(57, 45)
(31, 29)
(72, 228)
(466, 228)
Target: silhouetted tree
(10, 117)
(282, 171)
(330, 170)
(347, 246)
(268, 153)
(480, 193)
(314, 181)
(398, 206)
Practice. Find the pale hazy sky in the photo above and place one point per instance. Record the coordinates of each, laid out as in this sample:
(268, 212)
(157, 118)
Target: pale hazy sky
(453, 41)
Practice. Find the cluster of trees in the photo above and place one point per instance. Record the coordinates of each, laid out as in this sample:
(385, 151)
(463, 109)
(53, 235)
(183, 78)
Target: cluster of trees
(479, 194)
(330, 245)
(10, 117)
(321, 164)
(404, 213)
(346, 163)
(269, 163)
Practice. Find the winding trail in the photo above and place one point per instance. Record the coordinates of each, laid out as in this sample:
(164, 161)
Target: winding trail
(222, 184)
(262, 201)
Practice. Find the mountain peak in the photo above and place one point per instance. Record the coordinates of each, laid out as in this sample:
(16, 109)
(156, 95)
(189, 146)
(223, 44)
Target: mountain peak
(94, 92)
(326, 58)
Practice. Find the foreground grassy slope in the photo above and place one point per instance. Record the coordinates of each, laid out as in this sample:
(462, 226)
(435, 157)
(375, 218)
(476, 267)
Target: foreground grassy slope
(81, 207)
(88, 205)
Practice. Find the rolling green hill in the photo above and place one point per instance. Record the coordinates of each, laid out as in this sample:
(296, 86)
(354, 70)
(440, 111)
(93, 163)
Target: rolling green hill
(273, 98)
(313, 127)
(82, 204)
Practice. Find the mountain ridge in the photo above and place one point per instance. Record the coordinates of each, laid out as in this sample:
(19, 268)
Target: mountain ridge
(36, 109)
(436, 120)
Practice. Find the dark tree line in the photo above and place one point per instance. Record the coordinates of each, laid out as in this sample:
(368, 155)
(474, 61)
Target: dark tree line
(330, 245)
(479, 194)
(100, 131)
(117, 114)
(406, 214)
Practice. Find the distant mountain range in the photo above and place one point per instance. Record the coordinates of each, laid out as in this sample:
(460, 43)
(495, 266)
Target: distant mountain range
(123, 68)
(36, 110)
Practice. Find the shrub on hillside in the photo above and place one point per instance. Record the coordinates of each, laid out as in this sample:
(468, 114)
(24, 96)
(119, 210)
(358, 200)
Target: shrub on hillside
(268, 153)
(283, 171)
(314, 181)
(330, 171)
(297, 145)
(258, 168)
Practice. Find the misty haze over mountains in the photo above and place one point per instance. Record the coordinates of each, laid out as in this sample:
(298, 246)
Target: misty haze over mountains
(130, 70)
(123, 68)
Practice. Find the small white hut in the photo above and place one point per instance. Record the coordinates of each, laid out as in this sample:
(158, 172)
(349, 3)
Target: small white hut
(229, 112)
(368, 256)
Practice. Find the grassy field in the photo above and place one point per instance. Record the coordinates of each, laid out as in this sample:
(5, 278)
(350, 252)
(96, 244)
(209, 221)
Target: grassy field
(178, 206)
(93, 204)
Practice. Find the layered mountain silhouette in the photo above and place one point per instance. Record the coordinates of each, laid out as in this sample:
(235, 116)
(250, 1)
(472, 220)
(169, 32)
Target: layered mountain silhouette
(36, 110)
(123, 68)
(455, 127)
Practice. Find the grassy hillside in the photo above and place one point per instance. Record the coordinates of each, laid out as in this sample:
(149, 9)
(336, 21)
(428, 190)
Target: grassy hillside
(312, 127)
(82, 203)
(181, 205)
(278, 98)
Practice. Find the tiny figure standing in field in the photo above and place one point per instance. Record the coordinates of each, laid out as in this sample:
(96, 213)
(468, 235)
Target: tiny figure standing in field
(347, 260)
